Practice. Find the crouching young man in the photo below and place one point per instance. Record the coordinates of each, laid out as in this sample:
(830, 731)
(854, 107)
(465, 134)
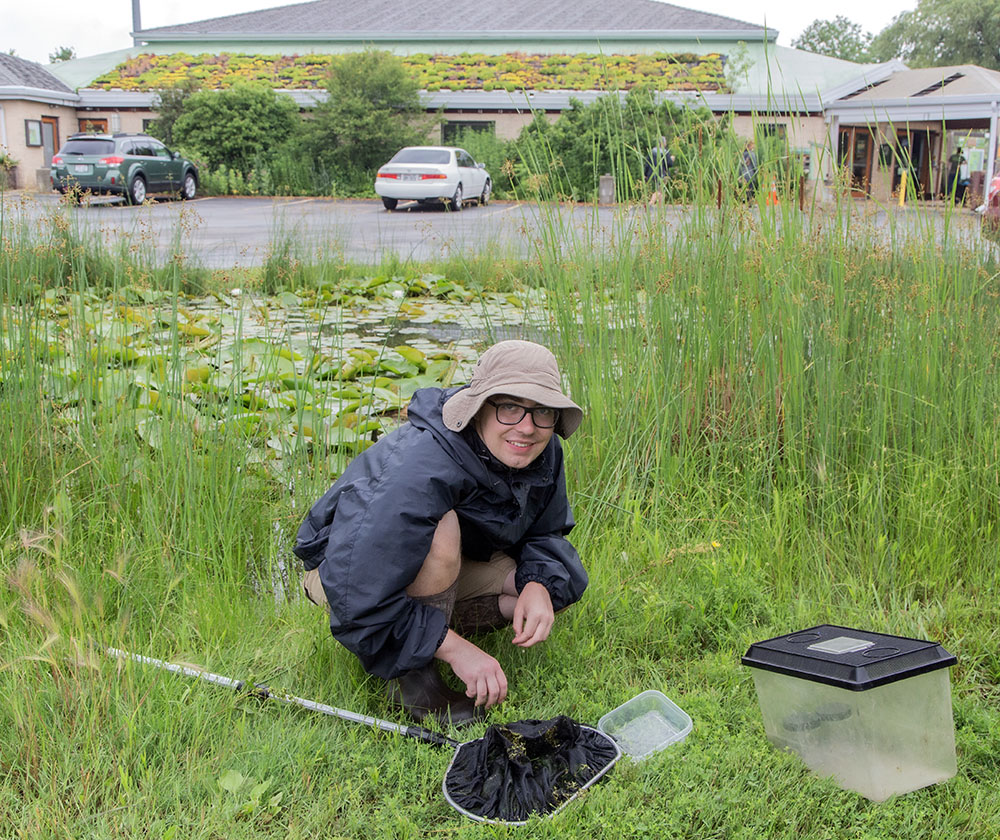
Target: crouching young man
(454, 523)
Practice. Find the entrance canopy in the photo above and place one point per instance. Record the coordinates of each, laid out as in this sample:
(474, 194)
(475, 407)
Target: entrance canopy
(957, 97)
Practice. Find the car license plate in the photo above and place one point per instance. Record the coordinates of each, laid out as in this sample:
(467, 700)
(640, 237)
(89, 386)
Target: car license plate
(81, 168)
(409, 176)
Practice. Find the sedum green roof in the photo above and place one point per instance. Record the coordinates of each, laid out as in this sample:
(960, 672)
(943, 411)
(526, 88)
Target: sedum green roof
(468, 71)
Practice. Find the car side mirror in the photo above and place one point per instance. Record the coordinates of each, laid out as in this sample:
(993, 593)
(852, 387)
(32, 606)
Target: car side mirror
(175, 155)
(480, 166)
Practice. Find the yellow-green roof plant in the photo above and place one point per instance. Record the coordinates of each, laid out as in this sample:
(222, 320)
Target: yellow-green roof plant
(468, 71)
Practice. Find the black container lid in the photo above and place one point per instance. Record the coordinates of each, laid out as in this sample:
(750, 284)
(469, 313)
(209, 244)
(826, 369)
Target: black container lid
(853, 659)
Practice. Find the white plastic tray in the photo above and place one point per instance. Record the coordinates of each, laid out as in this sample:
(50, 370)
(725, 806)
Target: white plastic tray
(647, 723)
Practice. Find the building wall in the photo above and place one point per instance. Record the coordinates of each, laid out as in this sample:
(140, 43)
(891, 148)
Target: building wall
(31, 158)
(506, 126)
(127, 120)
(806, 135)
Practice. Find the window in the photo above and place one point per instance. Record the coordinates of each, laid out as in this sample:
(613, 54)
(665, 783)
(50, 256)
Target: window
(453, 129)
(421, 155)
(159, 150)
(88, 146)
(33, 132)
(93, 125)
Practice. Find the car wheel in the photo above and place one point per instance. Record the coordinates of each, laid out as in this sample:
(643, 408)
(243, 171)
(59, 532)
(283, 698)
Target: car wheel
(136, 190)
(484, 199)
(456, 199)
(189, 189)
(389, 203)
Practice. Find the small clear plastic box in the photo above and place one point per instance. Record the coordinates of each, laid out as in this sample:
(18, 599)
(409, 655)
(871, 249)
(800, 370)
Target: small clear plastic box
(647, 723)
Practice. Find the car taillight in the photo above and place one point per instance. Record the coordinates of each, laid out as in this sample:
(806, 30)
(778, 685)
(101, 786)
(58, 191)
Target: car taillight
(56, 159)
(435, 177)
(387, 175)
(113, 160)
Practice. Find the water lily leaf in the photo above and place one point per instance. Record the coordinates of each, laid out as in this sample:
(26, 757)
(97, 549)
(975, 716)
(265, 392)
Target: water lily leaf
(411, 310)
(335, 462)
(272, 368)
(386, 400)
(311, 423)
(439, 370)
(289, 300)
(192, 329)
(297, 382)
(113, 385)
(244, 350)
(150, 429)
(248, 423)
(296, 399)
(400, 367)
(412, 355)
(197, 373)
(407, 387)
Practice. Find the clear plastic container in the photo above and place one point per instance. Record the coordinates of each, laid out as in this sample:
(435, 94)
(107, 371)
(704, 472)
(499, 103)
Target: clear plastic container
(646, 724)
(869, 710)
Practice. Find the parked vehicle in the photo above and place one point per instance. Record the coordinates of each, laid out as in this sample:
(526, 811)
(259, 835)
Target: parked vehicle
(433, 174)
(130, 165)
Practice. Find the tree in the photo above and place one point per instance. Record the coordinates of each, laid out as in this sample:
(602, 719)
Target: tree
(372, 111)
(837, 38)
(943, 32)
(237, 126)
(169, 105)
(62, 54)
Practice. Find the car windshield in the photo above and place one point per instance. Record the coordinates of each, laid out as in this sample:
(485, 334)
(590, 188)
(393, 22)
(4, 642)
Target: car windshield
(88, 146)
(422, 156)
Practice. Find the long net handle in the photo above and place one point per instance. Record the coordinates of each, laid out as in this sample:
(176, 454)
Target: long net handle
(420, 733)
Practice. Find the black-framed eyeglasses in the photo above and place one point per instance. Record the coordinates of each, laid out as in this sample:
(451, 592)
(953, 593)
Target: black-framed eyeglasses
(510, 414)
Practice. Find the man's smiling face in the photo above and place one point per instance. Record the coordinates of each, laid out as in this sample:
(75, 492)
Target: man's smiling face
(516, 446)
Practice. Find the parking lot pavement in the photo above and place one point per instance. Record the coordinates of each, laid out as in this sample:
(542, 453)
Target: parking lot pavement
(224, 232)
(221, 232)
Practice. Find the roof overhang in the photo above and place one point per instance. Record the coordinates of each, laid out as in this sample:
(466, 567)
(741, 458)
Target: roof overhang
(378, 36)
(513, 101)
(915, 109)
(145, 99)
(46, 97)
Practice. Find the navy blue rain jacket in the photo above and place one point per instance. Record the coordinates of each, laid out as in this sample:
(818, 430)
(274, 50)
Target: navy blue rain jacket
(370, 532)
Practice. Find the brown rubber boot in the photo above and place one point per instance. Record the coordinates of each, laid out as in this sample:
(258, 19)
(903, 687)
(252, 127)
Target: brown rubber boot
(478, 615)
(422, 691)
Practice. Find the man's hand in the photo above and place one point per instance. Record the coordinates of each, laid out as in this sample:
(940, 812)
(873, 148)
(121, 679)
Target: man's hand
(533, 615)
(484, 679)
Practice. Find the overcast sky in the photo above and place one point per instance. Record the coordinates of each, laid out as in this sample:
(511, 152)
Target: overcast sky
(35, 29)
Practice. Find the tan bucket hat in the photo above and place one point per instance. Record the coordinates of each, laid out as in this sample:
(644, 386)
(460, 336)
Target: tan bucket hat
(518, 369)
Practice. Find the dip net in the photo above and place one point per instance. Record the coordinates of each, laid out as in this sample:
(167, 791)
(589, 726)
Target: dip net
(528, 767)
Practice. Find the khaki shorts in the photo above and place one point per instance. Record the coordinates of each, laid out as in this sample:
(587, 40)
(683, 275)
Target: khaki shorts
(475, 579)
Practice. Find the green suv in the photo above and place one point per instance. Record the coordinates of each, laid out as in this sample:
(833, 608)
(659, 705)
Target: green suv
(130, 165)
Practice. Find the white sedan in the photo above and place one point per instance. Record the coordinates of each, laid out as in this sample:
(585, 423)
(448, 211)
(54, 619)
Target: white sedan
(433, 173)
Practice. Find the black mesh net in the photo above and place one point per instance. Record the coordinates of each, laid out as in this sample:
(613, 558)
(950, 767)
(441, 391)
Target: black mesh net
(528, 767)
